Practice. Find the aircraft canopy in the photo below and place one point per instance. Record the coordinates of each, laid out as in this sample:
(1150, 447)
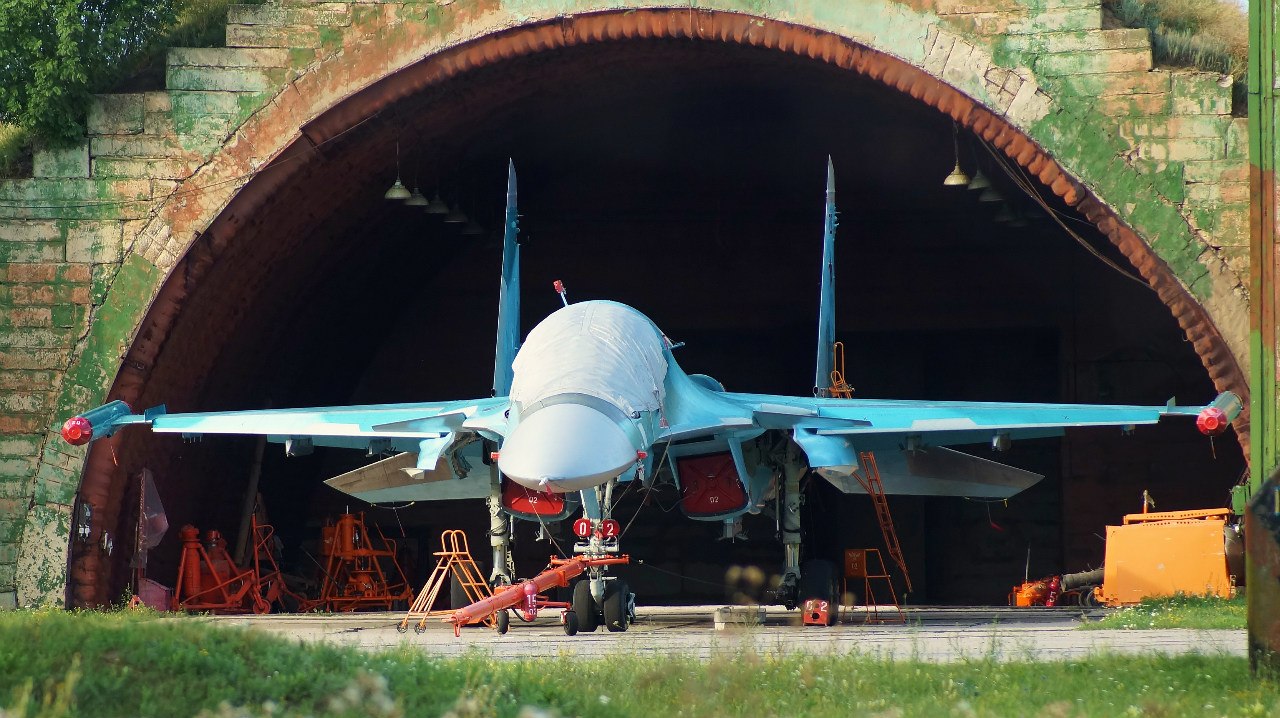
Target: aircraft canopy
(598, 348)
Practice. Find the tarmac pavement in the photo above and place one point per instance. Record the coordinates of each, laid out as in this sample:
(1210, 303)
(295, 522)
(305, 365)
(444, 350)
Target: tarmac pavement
(930, 634)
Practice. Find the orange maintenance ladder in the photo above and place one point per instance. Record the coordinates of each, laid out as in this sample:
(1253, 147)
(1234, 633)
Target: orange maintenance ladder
(455, 560)
(858, 565)
(869, 478)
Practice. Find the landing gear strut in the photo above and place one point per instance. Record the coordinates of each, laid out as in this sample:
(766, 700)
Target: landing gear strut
(788, 592)
(499, 531)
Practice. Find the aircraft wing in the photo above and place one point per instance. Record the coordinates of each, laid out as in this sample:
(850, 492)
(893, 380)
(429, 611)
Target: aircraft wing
(940, 423)
(909, 437)
(426, 429)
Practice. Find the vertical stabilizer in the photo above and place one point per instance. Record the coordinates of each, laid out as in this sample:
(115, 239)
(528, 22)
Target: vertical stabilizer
(827, 295)
(508, 341)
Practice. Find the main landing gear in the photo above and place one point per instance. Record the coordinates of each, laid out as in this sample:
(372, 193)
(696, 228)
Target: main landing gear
(814, 586)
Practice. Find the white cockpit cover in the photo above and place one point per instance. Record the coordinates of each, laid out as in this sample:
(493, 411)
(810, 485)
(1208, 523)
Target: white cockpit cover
(602, 349)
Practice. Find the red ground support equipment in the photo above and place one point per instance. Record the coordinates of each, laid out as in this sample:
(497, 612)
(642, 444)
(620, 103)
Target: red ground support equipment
(208, 580)
(266, 570)
(455, 560)
(1036, 593)
(526, 596)
(357, 573)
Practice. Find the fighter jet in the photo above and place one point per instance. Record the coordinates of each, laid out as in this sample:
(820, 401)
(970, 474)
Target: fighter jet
(594, 398)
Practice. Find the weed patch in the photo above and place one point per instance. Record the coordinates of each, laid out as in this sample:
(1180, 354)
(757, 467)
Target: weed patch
(1210, 35)
(1182, 611)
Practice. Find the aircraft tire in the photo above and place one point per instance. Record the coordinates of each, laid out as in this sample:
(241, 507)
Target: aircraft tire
(615, 606)
(570, 623)
(503, 621)
(818, 580)
(585, 607)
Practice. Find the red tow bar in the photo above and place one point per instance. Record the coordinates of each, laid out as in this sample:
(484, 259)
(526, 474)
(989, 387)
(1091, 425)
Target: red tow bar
(525, 597)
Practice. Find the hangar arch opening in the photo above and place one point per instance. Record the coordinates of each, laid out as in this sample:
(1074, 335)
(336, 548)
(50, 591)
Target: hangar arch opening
(684, 178)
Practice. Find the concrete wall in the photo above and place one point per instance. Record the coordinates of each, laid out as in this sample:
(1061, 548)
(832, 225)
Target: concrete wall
(87, 243)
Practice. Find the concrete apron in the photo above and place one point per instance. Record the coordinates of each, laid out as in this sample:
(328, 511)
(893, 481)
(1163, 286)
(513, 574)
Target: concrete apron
(931, 634)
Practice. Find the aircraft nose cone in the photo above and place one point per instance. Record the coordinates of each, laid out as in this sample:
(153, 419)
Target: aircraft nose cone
(565, 447)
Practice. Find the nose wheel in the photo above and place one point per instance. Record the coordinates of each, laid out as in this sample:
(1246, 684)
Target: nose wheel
(617, 606)
(584, 607)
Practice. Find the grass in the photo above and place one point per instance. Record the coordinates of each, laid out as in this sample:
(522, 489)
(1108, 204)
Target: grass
(198, 23)
(1210, 35)
(133, 663)
(1203, 612)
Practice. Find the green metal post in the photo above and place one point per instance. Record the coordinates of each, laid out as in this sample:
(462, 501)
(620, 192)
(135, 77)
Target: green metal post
(1262, 518)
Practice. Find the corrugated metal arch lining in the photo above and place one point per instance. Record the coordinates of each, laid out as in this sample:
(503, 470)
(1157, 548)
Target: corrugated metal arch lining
(621, 26)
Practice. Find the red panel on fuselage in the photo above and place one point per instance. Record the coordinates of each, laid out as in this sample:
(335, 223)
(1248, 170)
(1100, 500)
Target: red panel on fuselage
(710, 485)
(527, 502)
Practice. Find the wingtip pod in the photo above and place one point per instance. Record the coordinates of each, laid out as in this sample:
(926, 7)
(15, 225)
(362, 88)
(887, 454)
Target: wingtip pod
(77, 431)
(80, 429)
(1214, 418)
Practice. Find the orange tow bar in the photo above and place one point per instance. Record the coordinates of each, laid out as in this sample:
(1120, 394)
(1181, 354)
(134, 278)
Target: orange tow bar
(525, 597)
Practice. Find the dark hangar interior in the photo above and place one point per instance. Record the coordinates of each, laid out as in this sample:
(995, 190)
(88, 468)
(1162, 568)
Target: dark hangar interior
(686, 181)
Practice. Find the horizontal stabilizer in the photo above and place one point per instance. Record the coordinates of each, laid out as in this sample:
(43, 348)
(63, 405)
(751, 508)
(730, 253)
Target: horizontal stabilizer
(938, 471)
(390, 473)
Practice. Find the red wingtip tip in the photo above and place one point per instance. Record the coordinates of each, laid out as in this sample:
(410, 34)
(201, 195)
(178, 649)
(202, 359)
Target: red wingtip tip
(1212, 421)
(77, 431)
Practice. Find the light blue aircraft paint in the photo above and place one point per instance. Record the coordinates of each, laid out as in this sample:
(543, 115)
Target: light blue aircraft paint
(827, 290)
(508, 341)
(595, 395)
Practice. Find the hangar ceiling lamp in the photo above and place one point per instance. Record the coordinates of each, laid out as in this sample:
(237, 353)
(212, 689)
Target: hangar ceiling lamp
(957, 178)
(1004, 215)
(455, 216)
(990, 194)
(979, 180)
(416, 199)
(437, 205)
(473, 229)
(398, 190)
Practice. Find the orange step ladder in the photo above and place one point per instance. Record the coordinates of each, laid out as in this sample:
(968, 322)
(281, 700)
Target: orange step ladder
(869, 478)
(858, 564)
(455, 560)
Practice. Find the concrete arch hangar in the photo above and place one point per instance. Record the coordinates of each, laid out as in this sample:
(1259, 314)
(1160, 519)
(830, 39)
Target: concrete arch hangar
(671, 159)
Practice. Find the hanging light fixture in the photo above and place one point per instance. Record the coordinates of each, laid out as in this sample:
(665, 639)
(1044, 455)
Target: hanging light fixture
(455, 216)
(1004, 215)
(398, 190)
(957, 178)
(416, 199)
(990, 194)
(437, 205)
(979, 180)
(473, 229)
